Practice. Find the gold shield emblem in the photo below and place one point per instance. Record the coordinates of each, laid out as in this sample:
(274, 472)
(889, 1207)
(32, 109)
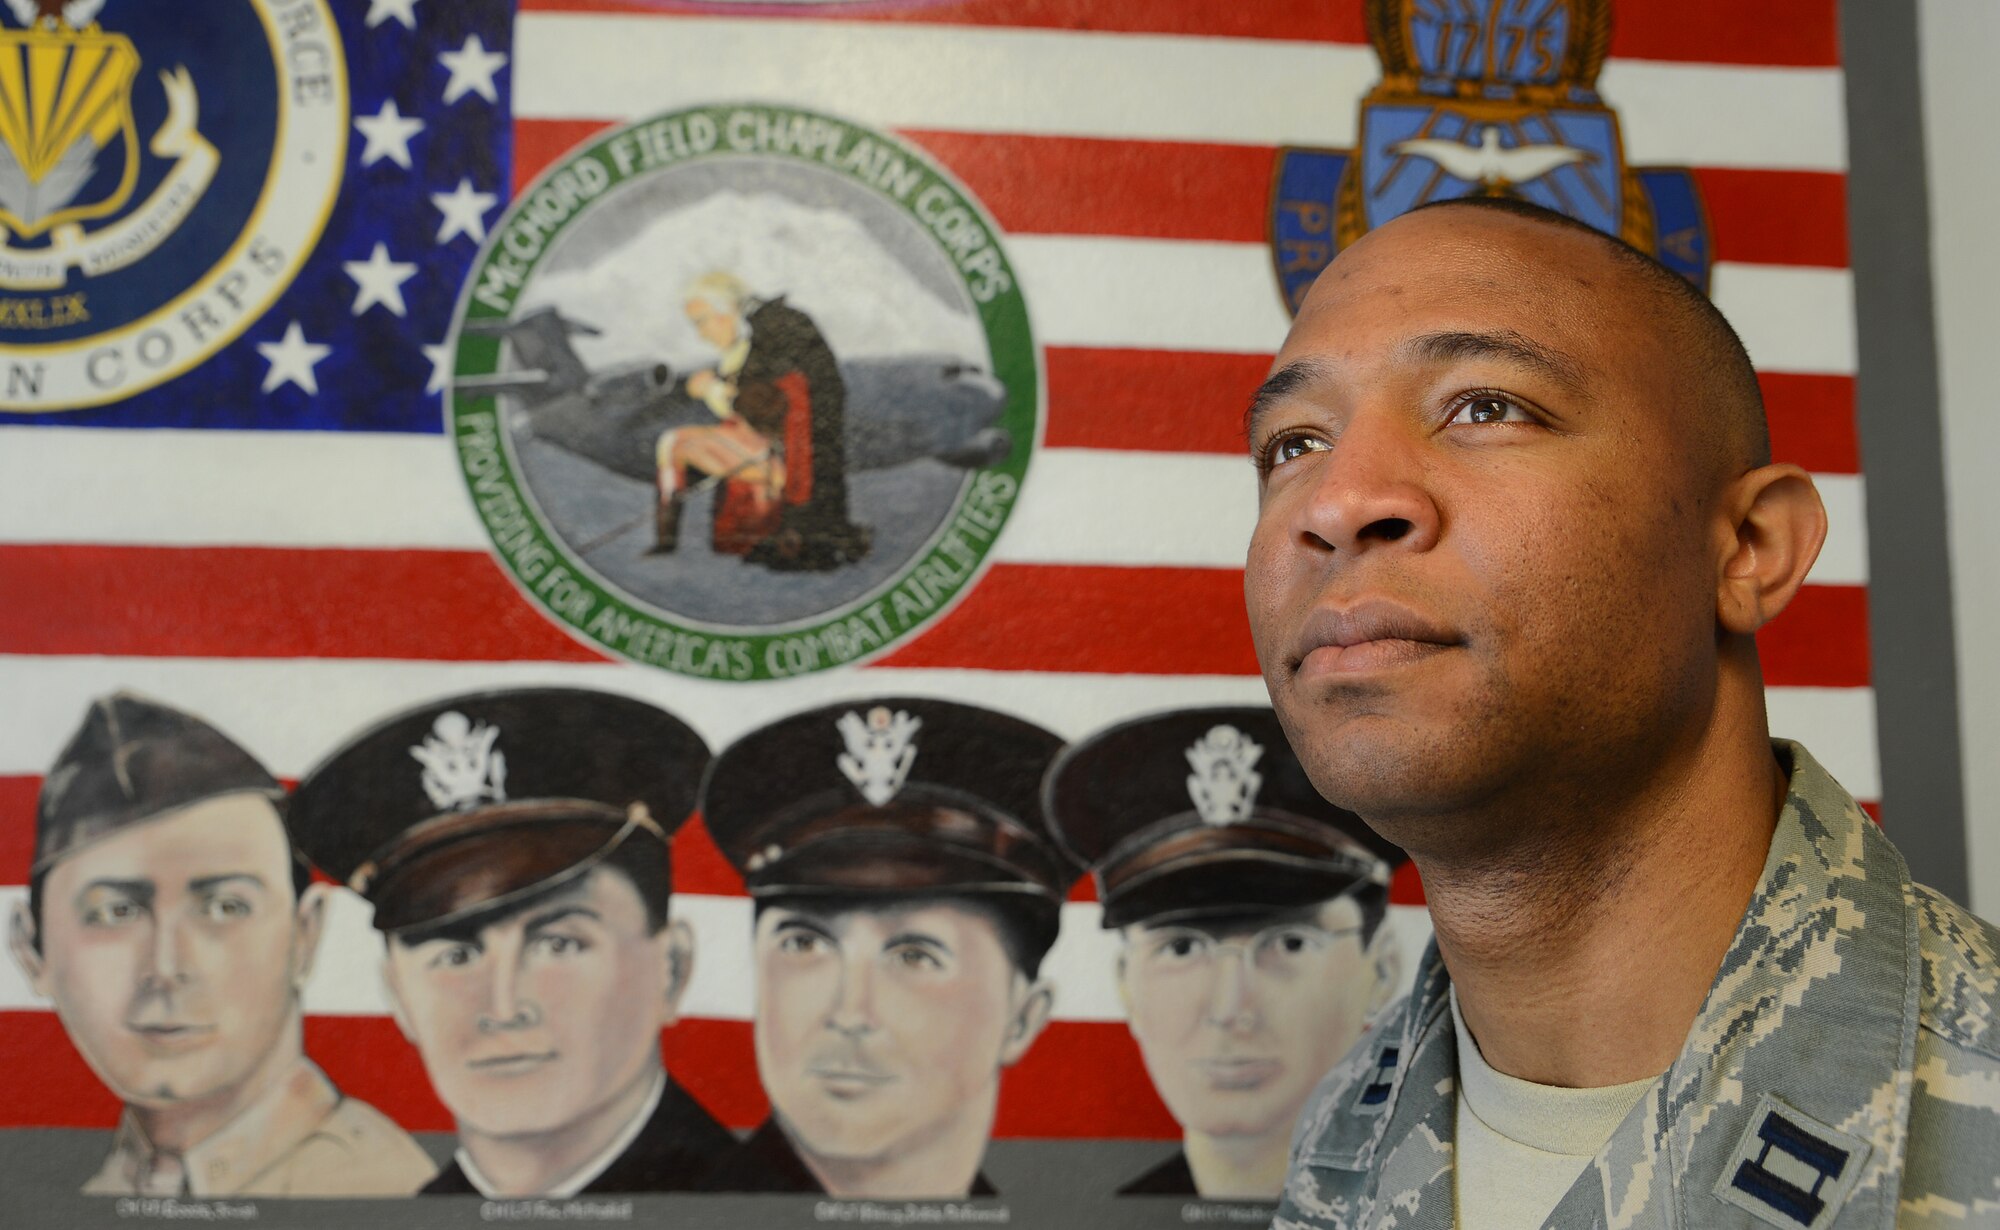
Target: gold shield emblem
(65, 106)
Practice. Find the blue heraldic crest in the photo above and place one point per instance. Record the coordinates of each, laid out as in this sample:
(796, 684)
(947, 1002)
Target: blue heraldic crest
(1498, 99)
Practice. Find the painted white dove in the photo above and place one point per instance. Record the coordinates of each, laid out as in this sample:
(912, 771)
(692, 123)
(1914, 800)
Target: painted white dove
(1487, 163)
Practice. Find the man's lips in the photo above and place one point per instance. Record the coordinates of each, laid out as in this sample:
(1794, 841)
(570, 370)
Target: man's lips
(173, 1035)
(847, 1081)
(1238, 1072)
(1368, 635)
(511, 1064)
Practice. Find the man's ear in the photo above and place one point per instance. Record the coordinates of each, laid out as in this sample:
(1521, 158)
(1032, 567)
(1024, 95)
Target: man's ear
(1775, 526)
(21, 938)
(1386, 955)
(392, 989)
(308, 926)
(1030, 1017)
(680, 967)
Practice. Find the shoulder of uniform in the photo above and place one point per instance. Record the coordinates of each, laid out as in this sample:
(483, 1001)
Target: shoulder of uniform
(372, 1136)
(1961, 973)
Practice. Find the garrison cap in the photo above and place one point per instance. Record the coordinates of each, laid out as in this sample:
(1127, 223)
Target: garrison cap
(1205, 811)
(134, 759)
(464, 805)
(895, 796)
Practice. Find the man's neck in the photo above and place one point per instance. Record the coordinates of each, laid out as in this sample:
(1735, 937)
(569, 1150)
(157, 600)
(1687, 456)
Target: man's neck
(1239, 1167)
(536, 1163)
(177, 1127)
(1582, 956)
(939, 1163)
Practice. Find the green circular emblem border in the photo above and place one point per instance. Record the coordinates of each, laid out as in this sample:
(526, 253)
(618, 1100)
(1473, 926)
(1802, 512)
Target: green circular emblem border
(596, 611)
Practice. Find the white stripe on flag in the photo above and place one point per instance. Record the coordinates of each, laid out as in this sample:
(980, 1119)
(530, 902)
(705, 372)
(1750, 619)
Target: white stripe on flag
(1143, 86)
(292, 712)
(1158, 294)
(314, 489)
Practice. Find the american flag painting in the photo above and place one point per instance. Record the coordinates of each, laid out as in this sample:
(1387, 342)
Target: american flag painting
(230, 479)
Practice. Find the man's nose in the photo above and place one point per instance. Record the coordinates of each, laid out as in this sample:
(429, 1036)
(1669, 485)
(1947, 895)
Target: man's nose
(510, 1004)
(1371, 491)
(853, 1009)
(169, 965)
(1232, 1000)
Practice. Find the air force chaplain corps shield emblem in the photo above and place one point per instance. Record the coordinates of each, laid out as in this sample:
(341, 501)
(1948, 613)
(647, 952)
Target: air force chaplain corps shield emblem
(1496, 99)
(162, 178)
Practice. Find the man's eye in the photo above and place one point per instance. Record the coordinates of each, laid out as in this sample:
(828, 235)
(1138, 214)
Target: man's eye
(1292, 943)
(225, 909)
(454, 955)
(560, 945)
(1487, 408)
(915, 956)
(113, 913)
(1290, 447)
(800, 943)
(1182, 947)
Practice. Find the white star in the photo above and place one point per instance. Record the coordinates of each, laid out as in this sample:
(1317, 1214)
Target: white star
(472, 68)
(388, 132)
(404, 11)
(440, 357)
(464, 211)
(380, 280)
(292, 359)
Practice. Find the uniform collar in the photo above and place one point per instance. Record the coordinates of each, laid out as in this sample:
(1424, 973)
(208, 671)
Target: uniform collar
(261, 1134)
(1809, 1029)
(582, 1176)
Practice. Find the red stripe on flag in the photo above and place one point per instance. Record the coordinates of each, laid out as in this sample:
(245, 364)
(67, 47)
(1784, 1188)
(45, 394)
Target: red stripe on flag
(1094, 186)
(1812, 421)
(250, 602)
(267, 603)
(1821, 640)
(1215, 192)
(1175, 401)
(1192, 402)
(1068, 618)
(1080, 1079)
(1785, 32)
(1776, 217)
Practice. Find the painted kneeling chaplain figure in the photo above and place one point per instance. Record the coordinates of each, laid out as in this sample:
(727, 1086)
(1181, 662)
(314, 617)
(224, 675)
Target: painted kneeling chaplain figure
(1517, 528)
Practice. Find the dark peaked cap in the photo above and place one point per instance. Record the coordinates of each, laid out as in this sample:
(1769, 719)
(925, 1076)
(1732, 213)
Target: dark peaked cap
(1206, 811)
(468, 803)
(131, 760)
(889, 796)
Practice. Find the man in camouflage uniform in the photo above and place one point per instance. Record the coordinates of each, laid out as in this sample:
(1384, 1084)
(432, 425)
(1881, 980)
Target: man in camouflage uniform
(1518, 527)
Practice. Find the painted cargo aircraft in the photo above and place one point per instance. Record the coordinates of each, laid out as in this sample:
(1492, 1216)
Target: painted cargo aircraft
(899, 410)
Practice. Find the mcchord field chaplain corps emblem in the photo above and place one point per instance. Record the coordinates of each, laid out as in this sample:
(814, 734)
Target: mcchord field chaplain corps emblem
(161, 181)
(744, 391)
(1497, 99)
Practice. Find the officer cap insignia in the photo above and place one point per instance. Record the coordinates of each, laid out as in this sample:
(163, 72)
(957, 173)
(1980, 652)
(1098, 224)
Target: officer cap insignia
(462, 767)
(1225, 782)
(880, 751)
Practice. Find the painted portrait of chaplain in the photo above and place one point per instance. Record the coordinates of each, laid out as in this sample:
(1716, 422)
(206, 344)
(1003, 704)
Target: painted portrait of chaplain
(1253, 917)
(906, 890)
(514, 845)
(778, 445)
(174, 927)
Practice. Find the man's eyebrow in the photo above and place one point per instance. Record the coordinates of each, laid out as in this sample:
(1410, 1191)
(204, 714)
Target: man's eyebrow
(139, 890)
(1281, 384)
(202, 884)
(800, 922)
(1503, 344)
(550, 917)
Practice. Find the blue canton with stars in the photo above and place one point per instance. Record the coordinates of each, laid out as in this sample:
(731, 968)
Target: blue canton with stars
(355, 343)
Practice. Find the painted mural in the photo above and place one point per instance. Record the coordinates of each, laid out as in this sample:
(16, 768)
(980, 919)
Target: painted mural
(622, 608)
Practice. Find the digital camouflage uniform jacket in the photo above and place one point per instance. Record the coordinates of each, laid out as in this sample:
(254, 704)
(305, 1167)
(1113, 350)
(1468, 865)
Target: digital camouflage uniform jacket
(1844, 1071)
